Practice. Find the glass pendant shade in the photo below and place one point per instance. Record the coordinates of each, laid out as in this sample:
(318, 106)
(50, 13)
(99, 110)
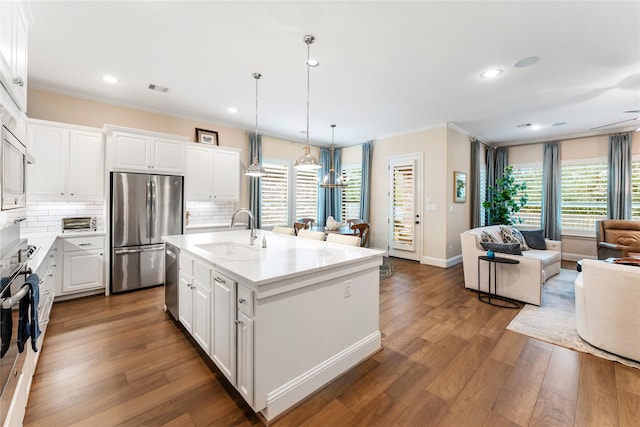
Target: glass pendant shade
(333, 179)
(308, 161)
(256, 169)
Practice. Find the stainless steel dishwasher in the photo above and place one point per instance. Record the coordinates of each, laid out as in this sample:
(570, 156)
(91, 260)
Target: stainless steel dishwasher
(171, 279)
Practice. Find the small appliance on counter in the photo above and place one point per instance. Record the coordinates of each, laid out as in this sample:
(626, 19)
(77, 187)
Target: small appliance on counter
(79, 223)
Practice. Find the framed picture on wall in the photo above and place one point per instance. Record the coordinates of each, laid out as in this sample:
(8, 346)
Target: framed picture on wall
(459, 187)
(204, 136)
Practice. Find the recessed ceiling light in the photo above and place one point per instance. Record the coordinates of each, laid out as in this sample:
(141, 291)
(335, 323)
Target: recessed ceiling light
(491, 73)
(232, 110)
(526, 62)
(109, 79)
(313, 63)
(536, 127)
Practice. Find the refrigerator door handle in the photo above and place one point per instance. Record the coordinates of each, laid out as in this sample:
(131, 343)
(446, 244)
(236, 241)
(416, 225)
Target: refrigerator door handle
(154, 203)
(148, 210)
(124, 251)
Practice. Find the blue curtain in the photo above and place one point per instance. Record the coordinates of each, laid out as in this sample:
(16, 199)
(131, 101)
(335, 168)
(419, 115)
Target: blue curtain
(475, 198)
(502, 161)
(365, 192)
(255, 183)
(619, 184)
(324, 194)
(551, 191)
(491, 180)
(336, 193)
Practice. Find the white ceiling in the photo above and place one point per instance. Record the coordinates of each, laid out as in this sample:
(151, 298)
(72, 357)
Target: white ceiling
(386, 67)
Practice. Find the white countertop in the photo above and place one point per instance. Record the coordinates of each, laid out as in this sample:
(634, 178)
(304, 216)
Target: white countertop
(284, 257)
(214, 225)
(44, 241)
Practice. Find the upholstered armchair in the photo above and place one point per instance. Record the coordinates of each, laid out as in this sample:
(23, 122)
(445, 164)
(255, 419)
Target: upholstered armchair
(617, 238)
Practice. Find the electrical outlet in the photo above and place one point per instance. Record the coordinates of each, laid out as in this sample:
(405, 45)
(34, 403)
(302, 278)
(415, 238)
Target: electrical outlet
(347, 289)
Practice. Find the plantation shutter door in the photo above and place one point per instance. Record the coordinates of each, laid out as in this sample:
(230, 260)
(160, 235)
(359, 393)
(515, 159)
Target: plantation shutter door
(403, 212)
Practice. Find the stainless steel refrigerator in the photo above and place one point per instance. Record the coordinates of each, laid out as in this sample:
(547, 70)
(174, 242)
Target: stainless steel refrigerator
(143, 209)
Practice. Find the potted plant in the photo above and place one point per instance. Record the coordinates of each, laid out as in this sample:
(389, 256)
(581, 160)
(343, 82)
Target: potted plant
(505, 199)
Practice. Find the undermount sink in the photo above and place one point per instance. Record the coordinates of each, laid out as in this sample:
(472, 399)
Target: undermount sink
(231, 250)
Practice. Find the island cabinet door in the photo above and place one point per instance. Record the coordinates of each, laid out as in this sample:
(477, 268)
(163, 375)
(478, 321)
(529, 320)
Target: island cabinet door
(185, 302)
(202, 305)
(245, 357)
(224, 328)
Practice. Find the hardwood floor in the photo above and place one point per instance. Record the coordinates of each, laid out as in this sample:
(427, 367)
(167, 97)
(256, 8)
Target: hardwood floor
(447, 360)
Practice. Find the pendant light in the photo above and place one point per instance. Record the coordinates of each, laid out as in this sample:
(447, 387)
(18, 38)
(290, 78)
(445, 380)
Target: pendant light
(332, 179)
(308, 161)
(256, 168)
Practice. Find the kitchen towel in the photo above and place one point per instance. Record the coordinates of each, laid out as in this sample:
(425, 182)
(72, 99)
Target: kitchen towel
(28, 310)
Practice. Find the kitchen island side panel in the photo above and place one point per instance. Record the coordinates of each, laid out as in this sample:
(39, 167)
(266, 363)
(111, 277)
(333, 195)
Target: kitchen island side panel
(306, 337)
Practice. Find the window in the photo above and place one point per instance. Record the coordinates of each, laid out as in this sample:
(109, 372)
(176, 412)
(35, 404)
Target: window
(287, 194)
(351, 193)
(274, 209)
(531, 213)
(635, 189)
(584, 195)
(306, 194)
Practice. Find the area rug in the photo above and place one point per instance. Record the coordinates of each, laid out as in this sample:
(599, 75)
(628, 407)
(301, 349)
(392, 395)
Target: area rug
(386, 269)
(555, 320)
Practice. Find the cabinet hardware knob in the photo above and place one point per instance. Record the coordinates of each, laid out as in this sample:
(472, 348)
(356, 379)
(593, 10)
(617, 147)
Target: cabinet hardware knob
(50, 275)
(62, 194)
(242, 300)
(72, 194)
(220, 279)
(18, 80)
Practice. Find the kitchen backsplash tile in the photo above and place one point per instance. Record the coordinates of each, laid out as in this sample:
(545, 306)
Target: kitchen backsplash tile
(46, 216)
(209, 212)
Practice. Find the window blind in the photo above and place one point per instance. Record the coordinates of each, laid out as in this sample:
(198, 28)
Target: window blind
(635, 190)
(351, 193)
(584, 195)
(531, 213)
(306, 194)
(275, 190)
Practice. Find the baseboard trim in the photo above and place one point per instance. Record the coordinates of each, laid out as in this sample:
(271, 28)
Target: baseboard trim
(575, 257)
(439, 262)
(300, 387)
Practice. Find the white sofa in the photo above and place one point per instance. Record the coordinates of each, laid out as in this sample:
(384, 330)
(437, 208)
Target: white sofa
(607, 307)
(521, 282)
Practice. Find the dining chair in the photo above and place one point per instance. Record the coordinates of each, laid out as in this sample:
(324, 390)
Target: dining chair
(354, 221)
(308, 234)
(343, 239)
(284, 230)
(362, 231)
(297, 226)
(308, 221)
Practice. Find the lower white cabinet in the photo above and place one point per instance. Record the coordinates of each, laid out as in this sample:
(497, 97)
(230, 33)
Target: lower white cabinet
(83, 264)
(218, 313)
(194, 299)
(224, 340)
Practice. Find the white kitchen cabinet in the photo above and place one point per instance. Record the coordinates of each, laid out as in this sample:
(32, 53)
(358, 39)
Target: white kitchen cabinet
(194, 299)
(69, 162)
(15, 18)
(244, 344)
(140, 152)
(83, 264)
(224, 312)
(212, 173)
(47, 272)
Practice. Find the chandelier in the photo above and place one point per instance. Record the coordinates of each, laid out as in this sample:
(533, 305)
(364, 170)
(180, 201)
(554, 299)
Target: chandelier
(332, 179)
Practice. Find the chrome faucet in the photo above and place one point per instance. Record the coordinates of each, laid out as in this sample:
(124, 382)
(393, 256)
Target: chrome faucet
(252, 223)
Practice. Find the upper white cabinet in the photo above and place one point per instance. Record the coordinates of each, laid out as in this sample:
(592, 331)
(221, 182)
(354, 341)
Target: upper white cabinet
(148, 153)
(69, 162)
(212, 173)
(15, 18)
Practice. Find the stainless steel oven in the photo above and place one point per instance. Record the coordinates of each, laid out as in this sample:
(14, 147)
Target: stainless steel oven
(13, 268)
(13, 159)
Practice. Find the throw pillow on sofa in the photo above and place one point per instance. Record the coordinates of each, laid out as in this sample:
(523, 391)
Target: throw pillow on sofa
(504, 248)
(535, 239)
(513, 235)
(488, 237)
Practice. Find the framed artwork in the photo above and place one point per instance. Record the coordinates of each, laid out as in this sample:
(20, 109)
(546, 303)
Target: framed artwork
(459, 187)
(207, 136)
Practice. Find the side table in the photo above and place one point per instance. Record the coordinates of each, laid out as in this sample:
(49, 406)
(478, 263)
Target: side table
(490, 297)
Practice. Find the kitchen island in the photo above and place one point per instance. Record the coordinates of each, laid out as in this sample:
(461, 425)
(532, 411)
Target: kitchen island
(280, 321)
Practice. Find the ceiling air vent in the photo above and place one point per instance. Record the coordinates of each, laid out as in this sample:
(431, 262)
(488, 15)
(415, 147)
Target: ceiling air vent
(158, 88)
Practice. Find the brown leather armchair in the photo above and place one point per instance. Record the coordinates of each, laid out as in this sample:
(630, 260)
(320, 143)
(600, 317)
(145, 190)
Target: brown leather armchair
(617, 238)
